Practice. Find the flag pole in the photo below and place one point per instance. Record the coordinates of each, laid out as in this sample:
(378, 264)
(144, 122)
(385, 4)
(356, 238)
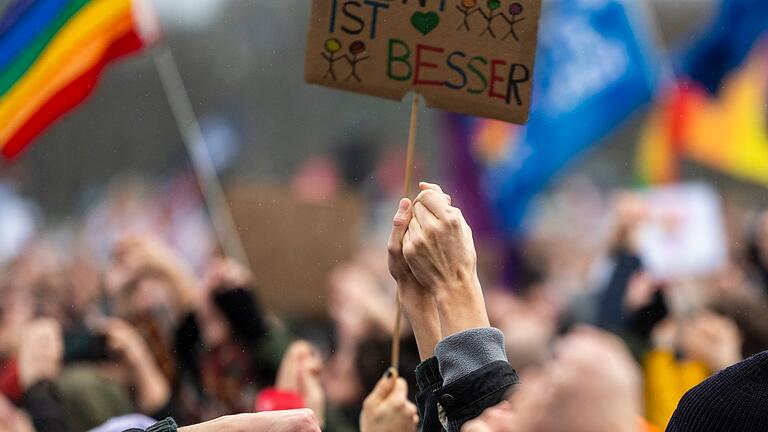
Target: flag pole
(395, 361)
(194, 141)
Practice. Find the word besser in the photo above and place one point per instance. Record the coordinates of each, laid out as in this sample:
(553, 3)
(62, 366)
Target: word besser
(499, 78)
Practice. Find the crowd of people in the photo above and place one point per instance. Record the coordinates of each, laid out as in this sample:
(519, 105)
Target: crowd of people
(147, 338)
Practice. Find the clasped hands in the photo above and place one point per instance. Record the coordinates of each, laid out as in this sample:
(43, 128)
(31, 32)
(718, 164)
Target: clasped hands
(433, 260)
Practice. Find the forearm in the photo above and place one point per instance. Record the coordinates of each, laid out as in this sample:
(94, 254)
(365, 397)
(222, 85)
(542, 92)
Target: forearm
(461, 307)
(152, 388)
(421, 311)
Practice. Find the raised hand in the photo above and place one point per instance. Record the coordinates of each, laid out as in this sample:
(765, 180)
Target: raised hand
(299, 373)
(440, 252)
(152, 387)
(40, 352)
(225, 273)
(387, 408)
(712, 339)
(136, 252)
(417, 301)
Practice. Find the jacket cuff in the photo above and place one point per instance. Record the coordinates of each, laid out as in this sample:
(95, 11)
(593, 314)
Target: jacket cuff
(167, 425)
(468, 397)
(428, 374)
(461, 354)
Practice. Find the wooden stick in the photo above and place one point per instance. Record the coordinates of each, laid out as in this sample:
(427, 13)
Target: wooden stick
(406, 193)
(202, 164)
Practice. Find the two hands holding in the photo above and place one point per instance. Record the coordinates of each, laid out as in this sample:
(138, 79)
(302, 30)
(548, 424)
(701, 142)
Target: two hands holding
(433, 260)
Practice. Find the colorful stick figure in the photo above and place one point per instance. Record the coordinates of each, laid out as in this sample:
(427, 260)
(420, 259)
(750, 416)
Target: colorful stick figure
(492, 6)
(332, 46)
(467, 8)
(357, 49)
(515, 9)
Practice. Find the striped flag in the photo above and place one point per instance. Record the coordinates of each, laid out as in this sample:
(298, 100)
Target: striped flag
(727, 132)
(715, 115)
(52, 53)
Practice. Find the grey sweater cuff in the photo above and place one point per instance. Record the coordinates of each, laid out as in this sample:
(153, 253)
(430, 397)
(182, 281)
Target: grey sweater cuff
(465, 352)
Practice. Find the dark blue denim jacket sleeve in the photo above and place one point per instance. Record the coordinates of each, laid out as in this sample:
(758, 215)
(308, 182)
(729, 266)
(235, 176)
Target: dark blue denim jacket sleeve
(167, 425)
(449, 406)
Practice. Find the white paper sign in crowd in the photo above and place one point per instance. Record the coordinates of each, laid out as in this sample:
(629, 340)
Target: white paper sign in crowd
(684, 233)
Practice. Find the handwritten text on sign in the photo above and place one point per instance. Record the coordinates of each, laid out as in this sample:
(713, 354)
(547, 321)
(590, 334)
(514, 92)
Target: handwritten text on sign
(469, 56)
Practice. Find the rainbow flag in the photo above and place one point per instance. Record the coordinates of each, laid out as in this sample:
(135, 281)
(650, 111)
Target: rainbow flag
(714, 114)
(52, 53)
(727, 132)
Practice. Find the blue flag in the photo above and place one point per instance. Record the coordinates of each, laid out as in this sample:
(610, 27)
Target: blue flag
(726, 42)
(596, 64)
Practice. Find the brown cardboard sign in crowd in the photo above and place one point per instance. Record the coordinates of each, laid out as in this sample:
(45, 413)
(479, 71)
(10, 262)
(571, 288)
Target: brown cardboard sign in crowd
(469, 56)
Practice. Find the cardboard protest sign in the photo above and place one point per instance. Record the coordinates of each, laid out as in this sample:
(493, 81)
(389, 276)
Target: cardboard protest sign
(293, 245)
(468, 56)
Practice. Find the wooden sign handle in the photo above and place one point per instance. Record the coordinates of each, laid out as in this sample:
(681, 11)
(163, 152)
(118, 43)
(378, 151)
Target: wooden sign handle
(395, 361)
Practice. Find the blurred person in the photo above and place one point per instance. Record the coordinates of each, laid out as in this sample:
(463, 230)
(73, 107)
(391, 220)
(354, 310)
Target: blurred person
(299, 375)
(151, 287)
(687, 351)
(147, 301)
(317, 180)
(592, 384)
(612, 265)
(129, 204)
(748, 312)
(136, 253)
(40, 362)
(152, 392)
(733, 400)
(668, 374)
(227, 347)
(67, 397)
(528, 327)
(361, 306)
(171, 209)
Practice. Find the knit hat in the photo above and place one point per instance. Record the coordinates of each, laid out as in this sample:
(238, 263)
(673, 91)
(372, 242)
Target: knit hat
(734, 400)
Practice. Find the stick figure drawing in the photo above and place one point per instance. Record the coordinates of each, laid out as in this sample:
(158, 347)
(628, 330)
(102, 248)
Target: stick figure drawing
(492, 6)
(357, 51)
(467, 8)
(331, 47)
(515, 9)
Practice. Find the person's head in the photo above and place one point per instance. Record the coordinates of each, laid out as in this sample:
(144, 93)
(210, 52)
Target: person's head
(748, 313)
(527, 329)
(592, 372)
(592, 384)
(734, 400)
(148, 293)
